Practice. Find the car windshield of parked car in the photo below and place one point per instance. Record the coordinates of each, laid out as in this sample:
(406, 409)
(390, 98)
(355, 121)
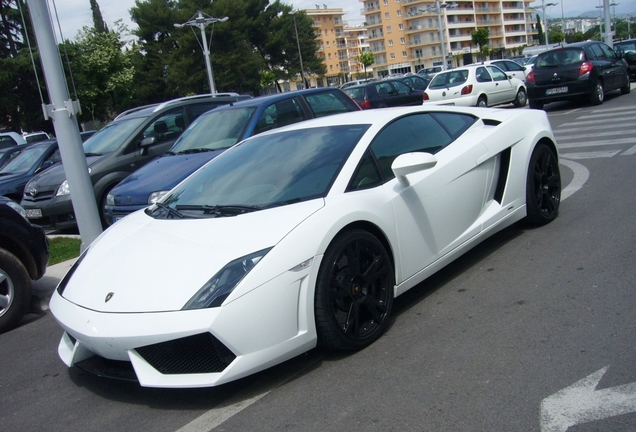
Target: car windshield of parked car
(625, 47)
(218, 129)
(112, 136)
(24, 161)
(560, 57)
(449, 79)
(262, 172)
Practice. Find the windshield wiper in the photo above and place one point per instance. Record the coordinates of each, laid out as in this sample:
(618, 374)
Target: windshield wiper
(93, 154)
(195, 150)
(220, 210)
(169, 211)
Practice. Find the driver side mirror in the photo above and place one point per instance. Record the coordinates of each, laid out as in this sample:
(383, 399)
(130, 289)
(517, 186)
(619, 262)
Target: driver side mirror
(45, 165)
(409, 163)
(145, 143)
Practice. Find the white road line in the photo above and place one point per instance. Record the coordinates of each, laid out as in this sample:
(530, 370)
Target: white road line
(603, 115)
(591, 155)
(621, 109)
(559, 130)
(629, 152)
(628, 119)
(581, 174)
(587, 136)
(621, 141)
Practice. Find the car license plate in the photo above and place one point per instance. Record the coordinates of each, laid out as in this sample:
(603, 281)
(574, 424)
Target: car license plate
(34, 213)
(556, 90)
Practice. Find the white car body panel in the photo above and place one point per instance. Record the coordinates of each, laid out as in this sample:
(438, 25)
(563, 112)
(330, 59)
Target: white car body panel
(152, 267)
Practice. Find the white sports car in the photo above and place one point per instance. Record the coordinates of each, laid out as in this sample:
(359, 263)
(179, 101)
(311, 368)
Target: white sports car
(300, 237)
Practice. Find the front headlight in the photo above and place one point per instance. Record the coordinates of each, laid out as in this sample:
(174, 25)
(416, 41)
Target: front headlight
(17, 207)
(63, 189)
(110, 199)
(216, 290)
(156, 196)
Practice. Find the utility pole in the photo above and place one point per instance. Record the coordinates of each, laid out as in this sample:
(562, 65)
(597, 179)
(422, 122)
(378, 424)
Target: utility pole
(63, 111)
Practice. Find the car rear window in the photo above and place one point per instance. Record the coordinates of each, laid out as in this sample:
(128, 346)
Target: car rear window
(449, 79)
(560, 57)
(328, 103)
(355, 93)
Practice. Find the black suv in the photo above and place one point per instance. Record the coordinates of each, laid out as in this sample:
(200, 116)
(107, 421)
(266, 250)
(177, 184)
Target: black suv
(627, 49)
(24, 253)
(579, 70)
(134, 138)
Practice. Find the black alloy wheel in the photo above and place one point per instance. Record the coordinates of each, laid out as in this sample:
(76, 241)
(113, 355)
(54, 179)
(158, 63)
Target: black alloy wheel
(598, 94)
(354, 292)
(543, 186)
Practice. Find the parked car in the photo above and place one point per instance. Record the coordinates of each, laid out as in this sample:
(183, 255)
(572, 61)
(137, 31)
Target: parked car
(300, 237)
(475, 85)
(627, 50)
(32, 137)
(356, 82)
(9, 139)
(32, 159)
(510, 68)
(430, 71)
(580, 70)
(416, 82)
(212, 134)
(385, 93)
(24, 254)
(8, 153)
(134, 138)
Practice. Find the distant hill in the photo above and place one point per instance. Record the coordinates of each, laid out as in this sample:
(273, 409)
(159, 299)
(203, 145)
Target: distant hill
(625, 7)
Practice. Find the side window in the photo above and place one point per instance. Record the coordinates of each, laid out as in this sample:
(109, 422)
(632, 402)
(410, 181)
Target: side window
(166, 127)
(280, 114)
(510, 66)
(502, 65)
(598, 52)
(607, 51)
(413, 133)
(401, 88)
(455, 123)
(55, 156)
(482, 75)
(366, 176)
(384, 89)
(194, 111)
(328, 103)
(496, 73)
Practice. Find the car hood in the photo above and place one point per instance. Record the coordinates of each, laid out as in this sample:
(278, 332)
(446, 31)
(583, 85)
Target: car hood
(163, 173)
(9, 183)
(179, 257)
(55, 175)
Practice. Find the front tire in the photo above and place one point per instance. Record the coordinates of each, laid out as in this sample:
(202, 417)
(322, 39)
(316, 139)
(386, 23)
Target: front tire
(15, 290)
(627, 88)
(521, 98)
(354, 292)
(543, 186)
(598, 94)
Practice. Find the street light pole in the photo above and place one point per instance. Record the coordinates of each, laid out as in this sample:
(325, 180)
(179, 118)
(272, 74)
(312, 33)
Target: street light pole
(300, 54)
(201, 21)
(438, 10)
(545, 21)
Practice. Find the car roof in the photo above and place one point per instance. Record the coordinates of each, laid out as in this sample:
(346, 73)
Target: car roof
(267, 99)
(147, 110)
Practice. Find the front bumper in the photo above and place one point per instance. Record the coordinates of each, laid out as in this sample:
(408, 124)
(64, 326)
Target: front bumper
(116, 213)
(55, 213)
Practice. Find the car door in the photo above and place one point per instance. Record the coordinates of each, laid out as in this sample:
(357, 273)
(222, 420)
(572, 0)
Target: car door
(504, 91)
(512, 69)
(438, 210)
(384, 95)
(604, 65)
(617, 67)
(403, 95)
(485, 84)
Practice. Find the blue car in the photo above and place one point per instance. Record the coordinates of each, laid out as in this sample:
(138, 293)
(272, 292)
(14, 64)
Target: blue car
(31, 159)
(213, 133)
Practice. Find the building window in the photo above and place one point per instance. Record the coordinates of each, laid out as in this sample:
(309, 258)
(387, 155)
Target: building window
(399, 13)
(389, 29)
(404, 54)
(386, 2)
(401, 26)
(402, 41)
(392, 56)
(387, 16)
(390, 42)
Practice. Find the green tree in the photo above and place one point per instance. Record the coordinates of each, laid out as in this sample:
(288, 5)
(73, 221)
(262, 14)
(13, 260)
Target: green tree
(556, 37)
(367, 59)
(98, 20)
(481, 37)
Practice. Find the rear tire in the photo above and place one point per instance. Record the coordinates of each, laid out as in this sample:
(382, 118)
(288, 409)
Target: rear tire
(521, 98)
(482, 102)
(543, 186)
(354, 292)
(628, 85)
(15, 290)
(598, 94)
(535, 105)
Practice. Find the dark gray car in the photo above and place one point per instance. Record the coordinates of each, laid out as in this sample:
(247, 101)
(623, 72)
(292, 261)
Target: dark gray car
(134, 138)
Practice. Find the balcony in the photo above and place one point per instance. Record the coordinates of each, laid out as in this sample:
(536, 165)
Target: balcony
(376, 35)
(488, 22)
(488, 9)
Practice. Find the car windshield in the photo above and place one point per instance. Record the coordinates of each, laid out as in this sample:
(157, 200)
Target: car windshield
(449, 79)
(355, 92)
(24, 161)
(626, 47)
(112, 136)
(262, 172)
(215, 130)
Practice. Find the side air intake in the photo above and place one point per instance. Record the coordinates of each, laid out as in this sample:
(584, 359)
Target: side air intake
(504, 168)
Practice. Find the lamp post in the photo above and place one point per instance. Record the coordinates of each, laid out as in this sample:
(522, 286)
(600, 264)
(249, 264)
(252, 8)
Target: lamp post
(300, 54)
(608, 35)
(438, 10)
(201, 21)
(545, 21)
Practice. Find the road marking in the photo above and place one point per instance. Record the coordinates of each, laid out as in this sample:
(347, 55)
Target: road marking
(582, 403)
(621, 109)
(559, 130)
(601, 121)
(591, 116)
(597, 143)
(629, 152)
(595, 135)
(591, 155)
(581, 174)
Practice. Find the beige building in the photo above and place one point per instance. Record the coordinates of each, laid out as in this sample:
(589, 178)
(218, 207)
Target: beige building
(404, 35)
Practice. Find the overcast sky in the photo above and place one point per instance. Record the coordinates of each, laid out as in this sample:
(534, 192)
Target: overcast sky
(74, 14)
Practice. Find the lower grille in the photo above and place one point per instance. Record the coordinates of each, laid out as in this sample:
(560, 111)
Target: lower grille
(104, 368)
(202, 353)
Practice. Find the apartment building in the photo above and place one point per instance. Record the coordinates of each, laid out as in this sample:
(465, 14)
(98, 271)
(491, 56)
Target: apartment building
(332, 45)
(404, 35)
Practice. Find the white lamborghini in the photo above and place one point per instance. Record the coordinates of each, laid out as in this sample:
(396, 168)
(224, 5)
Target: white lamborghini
(300, 237)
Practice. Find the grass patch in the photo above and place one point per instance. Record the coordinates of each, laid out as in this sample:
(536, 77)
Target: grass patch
(63, 249)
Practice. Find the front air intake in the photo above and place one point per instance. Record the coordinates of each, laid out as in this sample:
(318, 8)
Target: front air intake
(202, 353)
